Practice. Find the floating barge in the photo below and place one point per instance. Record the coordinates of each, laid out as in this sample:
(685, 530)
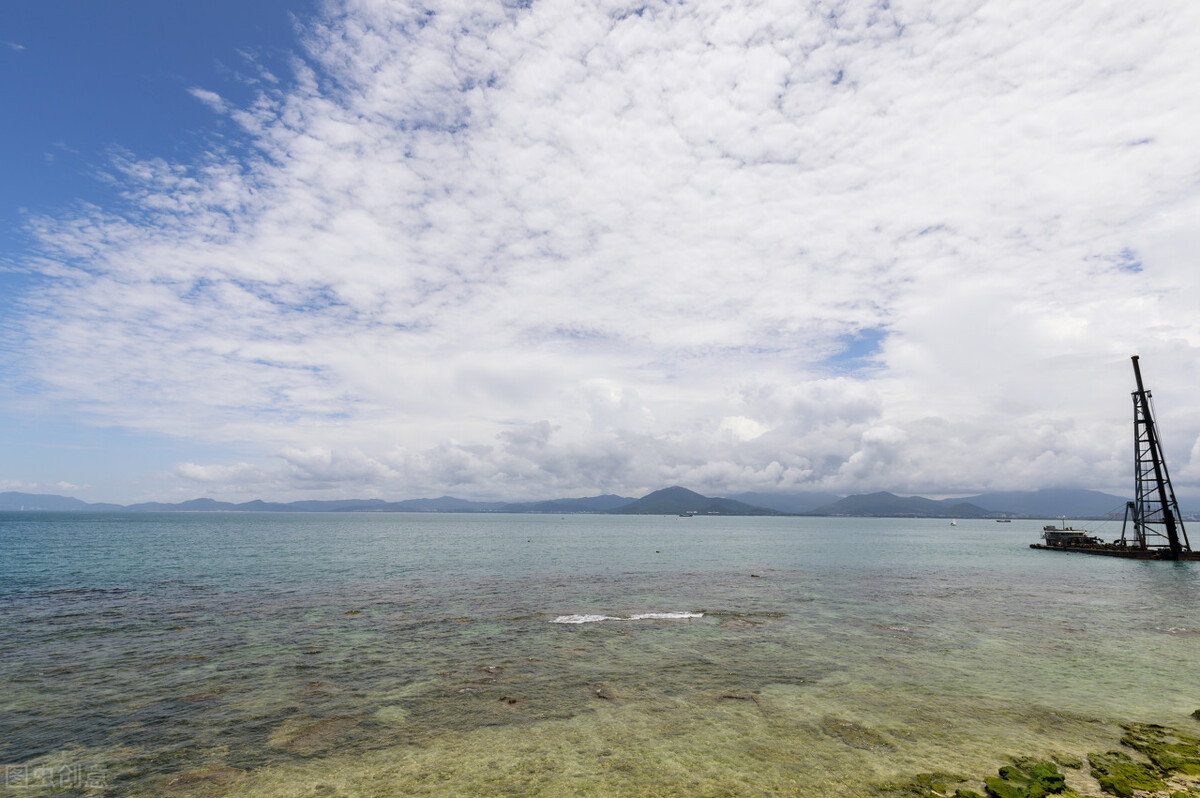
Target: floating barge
(1153, 528)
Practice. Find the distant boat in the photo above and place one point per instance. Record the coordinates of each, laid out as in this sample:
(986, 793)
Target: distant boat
(953, 522)
(1003, 520)
(1157, 531)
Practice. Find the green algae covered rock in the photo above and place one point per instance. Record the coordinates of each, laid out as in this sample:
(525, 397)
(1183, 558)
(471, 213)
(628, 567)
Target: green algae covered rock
(1173, 769)
(1169, 749)
(922, 785)
(1027, 779)
(1068, 761)
(1004, 788)
(1046, 776)
(1120, 775)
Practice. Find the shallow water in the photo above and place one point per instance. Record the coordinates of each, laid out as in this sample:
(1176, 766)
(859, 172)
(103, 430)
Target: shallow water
(362, 654)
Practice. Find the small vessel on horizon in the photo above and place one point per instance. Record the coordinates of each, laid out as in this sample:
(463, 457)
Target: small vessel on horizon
(1157, 531)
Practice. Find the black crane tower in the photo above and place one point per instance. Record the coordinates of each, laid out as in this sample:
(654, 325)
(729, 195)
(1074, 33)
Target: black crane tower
(1156, 520)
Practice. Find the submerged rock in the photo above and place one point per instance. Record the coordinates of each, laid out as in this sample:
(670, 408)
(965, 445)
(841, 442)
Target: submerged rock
(1026, 778)
(925, 785)
(1173, 770)
(392, 713)
(854, 735)
(739, 623)
(308, 738)
(204, 777)
(604, 692)
(1170, 750)
(737, 695)
(1121, 775)
(201, 698)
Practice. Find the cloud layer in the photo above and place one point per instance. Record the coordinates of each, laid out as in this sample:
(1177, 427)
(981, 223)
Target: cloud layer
(575, 247)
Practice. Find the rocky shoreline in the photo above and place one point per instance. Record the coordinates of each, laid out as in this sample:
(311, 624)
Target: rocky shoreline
(1156, 762)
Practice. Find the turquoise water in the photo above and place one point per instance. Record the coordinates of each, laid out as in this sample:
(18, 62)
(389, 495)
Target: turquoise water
(358, 654)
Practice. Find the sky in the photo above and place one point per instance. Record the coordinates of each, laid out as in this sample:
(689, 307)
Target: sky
(551, 248)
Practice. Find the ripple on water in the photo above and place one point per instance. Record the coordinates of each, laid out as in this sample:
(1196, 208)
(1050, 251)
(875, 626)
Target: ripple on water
(730, 677)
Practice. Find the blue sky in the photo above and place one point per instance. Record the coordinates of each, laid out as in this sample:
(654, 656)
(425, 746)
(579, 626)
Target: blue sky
(318, 250)
(81, 81)
(86, 78)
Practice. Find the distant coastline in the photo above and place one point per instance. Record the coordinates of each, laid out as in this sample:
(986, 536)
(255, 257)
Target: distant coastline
(1072, 503)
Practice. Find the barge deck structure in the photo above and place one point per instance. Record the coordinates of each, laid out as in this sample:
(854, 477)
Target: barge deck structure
(1156, 531)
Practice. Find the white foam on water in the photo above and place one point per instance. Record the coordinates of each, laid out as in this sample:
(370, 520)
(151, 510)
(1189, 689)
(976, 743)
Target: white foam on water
(666, 616)
(583, 618)
(643, 616)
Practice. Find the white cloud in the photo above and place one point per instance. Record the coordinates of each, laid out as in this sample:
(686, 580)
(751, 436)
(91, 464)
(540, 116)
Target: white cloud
(19, 486)
(209, 98)
(740, 428)
(578, 246)
(235, 474)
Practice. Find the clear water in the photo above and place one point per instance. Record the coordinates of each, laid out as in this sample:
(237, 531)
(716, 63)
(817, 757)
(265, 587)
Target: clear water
(417, 654)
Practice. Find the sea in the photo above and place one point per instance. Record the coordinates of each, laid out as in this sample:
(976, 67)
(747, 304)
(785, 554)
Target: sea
(369, 654)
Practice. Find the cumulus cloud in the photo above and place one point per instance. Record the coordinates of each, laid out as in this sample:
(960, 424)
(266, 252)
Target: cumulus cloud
(569, 247)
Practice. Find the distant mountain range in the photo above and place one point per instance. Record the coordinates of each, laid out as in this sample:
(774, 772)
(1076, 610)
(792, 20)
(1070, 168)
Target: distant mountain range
(677, 500)
(1052, 503)
(445, 504)
(797, 503)
(1025, 504)
(888, 504)
(673, 500)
